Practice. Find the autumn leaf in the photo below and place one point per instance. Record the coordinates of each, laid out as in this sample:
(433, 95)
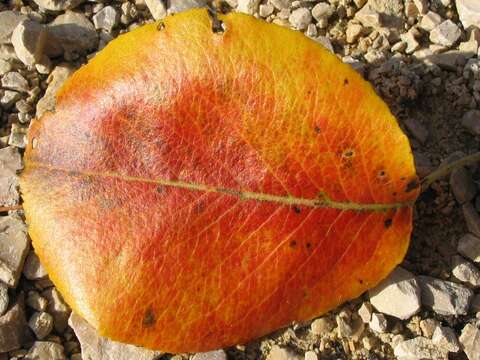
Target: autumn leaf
(195, 190)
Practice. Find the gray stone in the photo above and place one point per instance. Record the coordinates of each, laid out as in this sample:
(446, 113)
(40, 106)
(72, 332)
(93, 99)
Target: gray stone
(41, 324)
(250, 6)
(14, 246)
(325, 42)
(9, 98)
(14, 81)
(3, 298)
(35, 301)
(465, 271)
(322, 11)
(411, 42)
(300, 18)
(469, 246)
(471, 121)
(33, 269)
(353, 32)
(428, 326)
(445, 297)
(265, 10)
(29, 40)
(280, 353)
(95, 347)
(321, 326)
(177, 6)
(469, 12)
(472, 219)
(311, 355)
(5, 66)
(365, 312)
(419, 131)
(157, 8)
(419, 348)
(446, 34)
(349, 325)
(9, 21)
(398, 295)
(74, 33)
(12, 328)
(46, 350)
(470, 341)
(462, 185)
(10, 165)
(378, 323)
(18, 136)
(210, 355)
(446, 338)
(55, 80)
(377, 13)
(430, 21)
(107, 18)
(57, 308)
(58, 5)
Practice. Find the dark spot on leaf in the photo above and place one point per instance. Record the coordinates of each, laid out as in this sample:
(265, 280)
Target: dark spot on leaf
(297, 209)
(360, 281)
(160, 189)
(382, 173)
(412, 185)
(160, 26)
(348, 153)
(308, 245)
(345, 81)
(394, 193)
(388, 223)
(293, 243)
(317, 129)
(149, 318)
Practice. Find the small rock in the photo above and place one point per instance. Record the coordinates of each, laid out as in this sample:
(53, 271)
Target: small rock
(419, 348)
(353, 32)
(177, 6)
(411, 43)
(470, 341)
(469, 246)
(469, 12)
(3, 298)
(107, 18)
(14, 246)
(365, 312)
(210, 355)
(311, 355)
(398, 295)
(349, 325)
(471, 121)
(468, 48)
(419, 131)
(41, 324)
(422, 6)
(462, 185)
(14, 81)
(446, 338)
(428, 326)
(5, 67)
(266, 10)
(369, 17)
(94, 347)
(251, 6)
(57, 308)
(472, 219)
(321, 326)
(445, 297)
(279, 353)
(29, 40)
(35, 301)
(446, 34)
(10, 165)
(33, 269)
(55, 80)
(9, 98)
(45, 350)
(12, 328)
(157, 8)
(465, 271)
(430, 21)
(325, 42)
(322, 11)
(9, 21)
(74, 33)
(300, 18)
(378, 323)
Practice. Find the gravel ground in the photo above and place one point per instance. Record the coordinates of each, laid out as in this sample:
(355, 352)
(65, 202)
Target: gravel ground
(421, 56)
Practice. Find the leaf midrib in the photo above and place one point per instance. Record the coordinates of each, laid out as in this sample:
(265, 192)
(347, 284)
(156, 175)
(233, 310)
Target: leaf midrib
(323, 201)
